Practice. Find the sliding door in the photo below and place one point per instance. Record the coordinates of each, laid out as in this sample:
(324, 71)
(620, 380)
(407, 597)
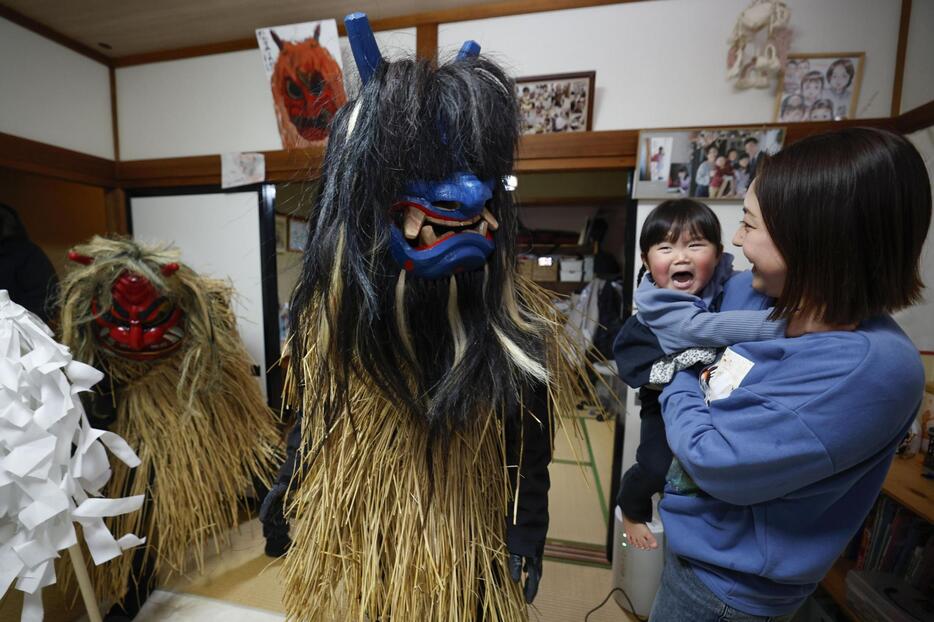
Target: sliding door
(225, 235)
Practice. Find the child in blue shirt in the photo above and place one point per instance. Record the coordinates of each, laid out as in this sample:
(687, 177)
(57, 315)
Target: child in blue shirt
(686, 270)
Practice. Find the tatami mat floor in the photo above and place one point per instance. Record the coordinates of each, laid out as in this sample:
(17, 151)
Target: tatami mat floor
(244, 577)
(581, 476)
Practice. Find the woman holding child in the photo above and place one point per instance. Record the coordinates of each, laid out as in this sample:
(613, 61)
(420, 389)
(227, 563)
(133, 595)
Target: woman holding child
(789, 439)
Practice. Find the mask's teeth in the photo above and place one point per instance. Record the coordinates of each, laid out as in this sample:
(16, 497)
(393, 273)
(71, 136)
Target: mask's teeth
(428, 236)
(413, 222)
(482, 228)
(487, 216)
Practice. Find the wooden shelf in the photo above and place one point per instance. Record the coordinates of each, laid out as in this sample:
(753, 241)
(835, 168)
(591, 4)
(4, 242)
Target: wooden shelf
(563, 287)
(905, 485)
(835, 585)
(556, 249)
(559, 201)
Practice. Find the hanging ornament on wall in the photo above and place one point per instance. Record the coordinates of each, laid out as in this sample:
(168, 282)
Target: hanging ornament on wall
(759, 44)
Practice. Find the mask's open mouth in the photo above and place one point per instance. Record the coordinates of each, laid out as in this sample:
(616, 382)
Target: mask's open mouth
(423, 230)
(318, 122)
(167, 343)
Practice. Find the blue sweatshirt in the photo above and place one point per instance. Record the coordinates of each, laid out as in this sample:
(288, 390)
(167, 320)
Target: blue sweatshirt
(681, 320)
(791, 461)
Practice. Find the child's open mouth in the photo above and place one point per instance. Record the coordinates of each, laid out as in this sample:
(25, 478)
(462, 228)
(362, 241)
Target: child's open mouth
(683, 279)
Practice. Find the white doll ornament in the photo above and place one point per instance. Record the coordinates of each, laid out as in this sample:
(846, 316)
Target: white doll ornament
(759, 44)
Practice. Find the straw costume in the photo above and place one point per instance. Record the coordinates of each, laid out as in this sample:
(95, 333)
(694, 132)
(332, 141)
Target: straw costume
(427, 373)
(178, 388)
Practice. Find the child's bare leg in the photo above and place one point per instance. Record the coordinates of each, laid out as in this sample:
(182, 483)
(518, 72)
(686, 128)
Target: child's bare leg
(639, 535)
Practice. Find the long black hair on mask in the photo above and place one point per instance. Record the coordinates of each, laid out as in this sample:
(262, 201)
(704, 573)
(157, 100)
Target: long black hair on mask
(413, 121)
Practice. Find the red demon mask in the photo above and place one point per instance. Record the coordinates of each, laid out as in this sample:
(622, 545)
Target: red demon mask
(141, 324)
(308, 81)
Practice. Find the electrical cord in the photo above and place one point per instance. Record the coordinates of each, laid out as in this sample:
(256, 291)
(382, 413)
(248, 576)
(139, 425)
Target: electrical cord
(631, 610)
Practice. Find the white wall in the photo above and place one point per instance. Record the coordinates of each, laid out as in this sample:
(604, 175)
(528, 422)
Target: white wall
(53, 95)
(658, 64)
(195, 106)
(918, 321)
(663, 63)
(210, 104)
(918, 84)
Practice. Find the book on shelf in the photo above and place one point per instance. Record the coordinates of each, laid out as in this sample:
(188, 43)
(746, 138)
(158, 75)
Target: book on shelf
(896, 541)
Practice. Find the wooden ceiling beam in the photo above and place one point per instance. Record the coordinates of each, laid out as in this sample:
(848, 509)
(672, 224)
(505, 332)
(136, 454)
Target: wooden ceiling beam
(426, 42)
(900, 53)
(53, 35)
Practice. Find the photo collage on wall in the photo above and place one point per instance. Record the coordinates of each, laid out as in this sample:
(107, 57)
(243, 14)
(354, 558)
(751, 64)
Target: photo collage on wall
(717, 163)
(556, 103)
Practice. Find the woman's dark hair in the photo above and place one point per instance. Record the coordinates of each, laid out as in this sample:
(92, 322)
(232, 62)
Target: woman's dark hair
(848, 211)
(847, 65)
(668, 221)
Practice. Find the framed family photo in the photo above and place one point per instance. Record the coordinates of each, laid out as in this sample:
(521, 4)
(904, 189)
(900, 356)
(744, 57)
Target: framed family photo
(819, 87)
(713, 163)
(556, 103)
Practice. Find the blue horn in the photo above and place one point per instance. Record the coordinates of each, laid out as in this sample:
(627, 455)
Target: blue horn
(470, 49)
(363, 44)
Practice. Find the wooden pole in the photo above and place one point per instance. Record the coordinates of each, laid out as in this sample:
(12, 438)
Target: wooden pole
(84, 583)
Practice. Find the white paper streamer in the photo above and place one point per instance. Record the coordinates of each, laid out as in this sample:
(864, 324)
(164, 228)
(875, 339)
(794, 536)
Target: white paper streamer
(53, 464)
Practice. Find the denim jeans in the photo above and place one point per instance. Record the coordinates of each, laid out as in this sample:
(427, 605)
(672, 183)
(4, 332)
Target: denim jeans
(682, 597)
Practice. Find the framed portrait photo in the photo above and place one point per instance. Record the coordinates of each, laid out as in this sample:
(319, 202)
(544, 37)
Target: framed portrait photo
(819, 87)
(298, 234)
(708, 163)
(556, 103)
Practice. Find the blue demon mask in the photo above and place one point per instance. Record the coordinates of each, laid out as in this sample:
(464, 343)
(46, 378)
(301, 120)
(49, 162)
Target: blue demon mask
(443, 227)
(438, 228)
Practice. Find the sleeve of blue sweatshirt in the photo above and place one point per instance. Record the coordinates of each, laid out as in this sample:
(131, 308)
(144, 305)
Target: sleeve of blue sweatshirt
(680, 321)
(766, 449)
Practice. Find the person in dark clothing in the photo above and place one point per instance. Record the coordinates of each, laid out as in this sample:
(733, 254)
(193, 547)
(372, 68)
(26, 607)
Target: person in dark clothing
(25, 271)
(752, 149)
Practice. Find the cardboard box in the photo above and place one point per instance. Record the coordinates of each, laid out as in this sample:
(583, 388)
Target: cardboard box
(571, 269)
(546, 268)
(525, 265)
